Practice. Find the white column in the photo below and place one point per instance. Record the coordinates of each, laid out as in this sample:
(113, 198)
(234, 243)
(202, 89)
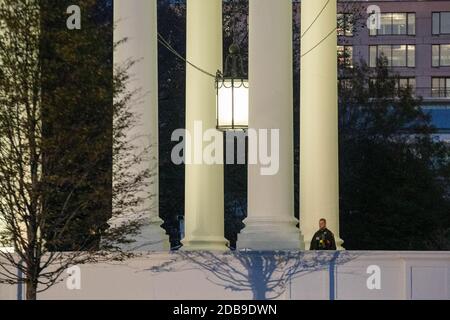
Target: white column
(270, 224)
(137, 21)
(319, 169)
(204, 193)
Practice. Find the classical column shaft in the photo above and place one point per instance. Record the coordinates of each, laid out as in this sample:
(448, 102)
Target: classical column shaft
(137, 21)
(204, 194)
(319, 175)
(270, 224)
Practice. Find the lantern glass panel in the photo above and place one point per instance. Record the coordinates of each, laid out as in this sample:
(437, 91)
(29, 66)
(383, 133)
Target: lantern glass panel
(232, 104)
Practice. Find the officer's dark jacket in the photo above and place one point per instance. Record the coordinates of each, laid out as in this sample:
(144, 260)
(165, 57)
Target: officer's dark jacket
(323, 240)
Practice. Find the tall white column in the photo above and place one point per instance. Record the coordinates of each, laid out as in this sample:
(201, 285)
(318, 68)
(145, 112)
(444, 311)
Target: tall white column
(270, 224)
(204, 194)
(319, 169)
(137, 21)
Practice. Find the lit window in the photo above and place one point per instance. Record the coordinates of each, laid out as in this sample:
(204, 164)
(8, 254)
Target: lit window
(396, 55)
(403, 83)
(345, 24)
(345, 84)
(396, 24)
(440, 87)
(345, 56)
(400, 83)
(441, 55)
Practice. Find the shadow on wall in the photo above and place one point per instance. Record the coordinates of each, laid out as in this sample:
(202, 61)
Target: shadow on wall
(265, 274)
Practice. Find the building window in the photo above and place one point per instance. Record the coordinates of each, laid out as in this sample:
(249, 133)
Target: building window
(441, 55)
(345, 24)
(400, 83)
(345, 84)
(440, 87)
(396, 24)
(441, 23)
(345, 56)
(403, 83)
(396, 55)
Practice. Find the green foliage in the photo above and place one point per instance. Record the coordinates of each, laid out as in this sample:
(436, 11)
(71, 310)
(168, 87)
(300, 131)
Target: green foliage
(77, 102)
(394, 175)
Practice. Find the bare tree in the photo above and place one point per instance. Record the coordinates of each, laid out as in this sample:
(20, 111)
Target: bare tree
(56, 179)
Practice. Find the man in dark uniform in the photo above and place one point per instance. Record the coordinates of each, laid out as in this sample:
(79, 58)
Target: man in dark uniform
(323, 239)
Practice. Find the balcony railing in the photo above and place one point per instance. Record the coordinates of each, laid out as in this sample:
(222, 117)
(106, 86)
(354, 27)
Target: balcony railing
(432, 93)
(437, 94)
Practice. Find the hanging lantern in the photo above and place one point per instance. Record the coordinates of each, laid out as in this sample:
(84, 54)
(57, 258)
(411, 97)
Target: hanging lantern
(232, 93)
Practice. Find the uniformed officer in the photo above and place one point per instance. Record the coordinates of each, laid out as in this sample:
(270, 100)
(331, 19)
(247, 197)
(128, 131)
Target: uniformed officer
(323, 239)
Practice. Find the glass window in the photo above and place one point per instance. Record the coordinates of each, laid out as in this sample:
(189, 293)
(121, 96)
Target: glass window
(436, 22)
(435, 58)
(349, 56)
(398, 56)
(399, 25)
(445, 55)
(440, 87)
(441, 23)
(345, 83)
(411, 56)
(412, 84)
(373, 31)
(345, 56)
(396, 24)
(441, 55)
(385, 52)
(445, 23)
(345, 24)
(435, 84)
(386, 24)
(402, 82)
(406, 82)
(341, 24)
(349, 24)
(373, 56)
(411, 24)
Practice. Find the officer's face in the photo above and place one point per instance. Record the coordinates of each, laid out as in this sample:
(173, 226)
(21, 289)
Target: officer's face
(322, 224)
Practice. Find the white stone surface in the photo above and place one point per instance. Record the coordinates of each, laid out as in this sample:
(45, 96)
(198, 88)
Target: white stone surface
(296, 276)
(204, 200)
(136, 20)
(270, 224)
(319, 164)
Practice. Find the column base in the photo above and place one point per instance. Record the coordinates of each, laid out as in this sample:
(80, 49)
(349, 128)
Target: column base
(151, 237)
(269, 234)
(204, 244)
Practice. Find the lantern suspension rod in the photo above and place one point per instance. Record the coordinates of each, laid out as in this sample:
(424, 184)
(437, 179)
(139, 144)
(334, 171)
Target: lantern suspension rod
(310, 26)
(179, 56)
(319, 43)
(166, 44)
(234, 21)
(316, 18)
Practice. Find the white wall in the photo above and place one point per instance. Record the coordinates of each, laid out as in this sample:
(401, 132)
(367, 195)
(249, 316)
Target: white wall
(404, 275)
